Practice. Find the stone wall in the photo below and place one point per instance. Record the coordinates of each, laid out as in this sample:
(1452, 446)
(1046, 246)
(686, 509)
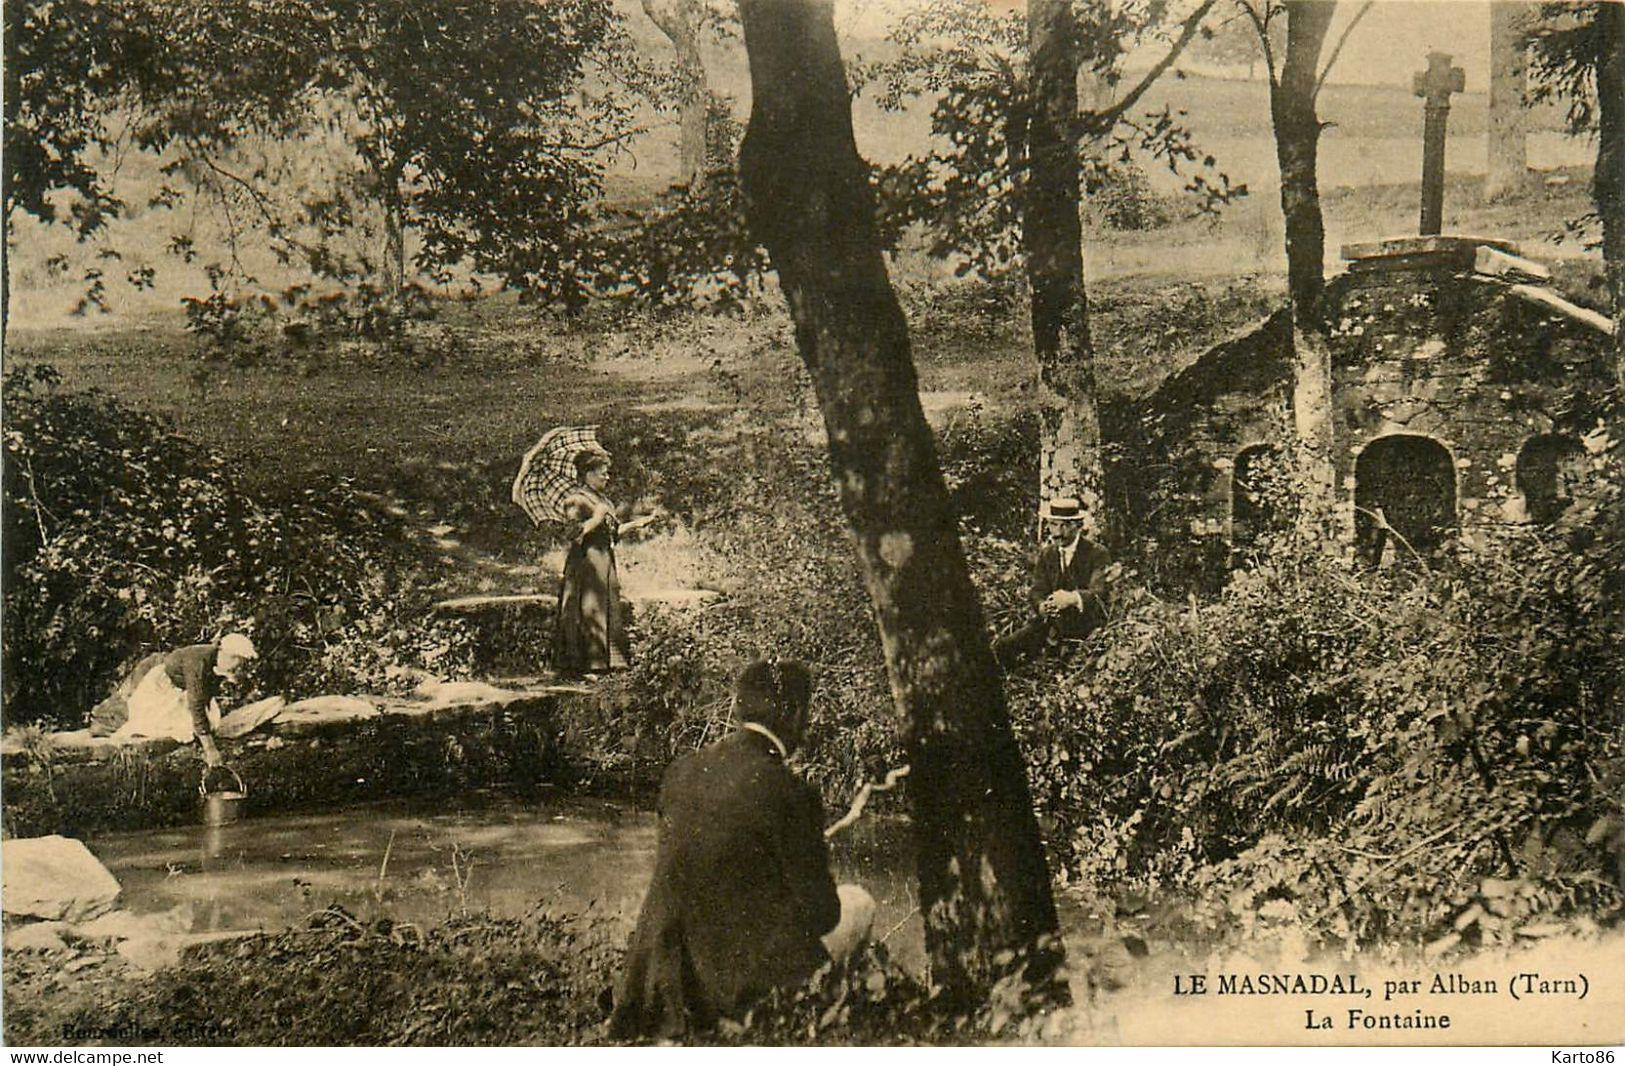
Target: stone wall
(1169, 458)
(1454, 392)
(1470, 363)
(513, 740)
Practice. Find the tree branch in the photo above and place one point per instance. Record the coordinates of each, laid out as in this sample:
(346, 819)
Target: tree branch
(1261, 25)
(255, 194)
(1341, 41)
(1097, 122)
(40, 510)
(593, 146)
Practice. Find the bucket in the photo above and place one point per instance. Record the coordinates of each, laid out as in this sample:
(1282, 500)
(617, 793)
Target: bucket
(225, 806)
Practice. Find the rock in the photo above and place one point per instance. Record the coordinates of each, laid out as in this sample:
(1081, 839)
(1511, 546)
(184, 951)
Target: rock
(123, 925)
(55, 877)
(473, 604)
(446, 693)
(114, 925)
(43, 937)
(151, 952)
(1111, 965)
(158, 952)
(327, 709)
(1502, 265)
(250, 717)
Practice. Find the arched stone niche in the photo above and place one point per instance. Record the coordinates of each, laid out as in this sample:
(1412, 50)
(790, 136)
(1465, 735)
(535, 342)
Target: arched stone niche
(1258, 482)
(1548, 474)
(1404, 484)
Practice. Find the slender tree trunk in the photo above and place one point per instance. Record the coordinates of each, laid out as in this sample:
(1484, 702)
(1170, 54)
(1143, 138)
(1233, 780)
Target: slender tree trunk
(679, 20)
(387, 176)
(1508, 153)
(1052, 233)
(1297, 147)
(984, 886)
(1608, 182)
(394, 272)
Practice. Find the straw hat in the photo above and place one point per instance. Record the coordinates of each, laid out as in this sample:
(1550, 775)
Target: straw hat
(1063, 509)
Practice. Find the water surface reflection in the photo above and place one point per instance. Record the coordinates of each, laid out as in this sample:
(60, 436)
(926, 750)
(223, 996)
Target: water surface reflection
(421, 861)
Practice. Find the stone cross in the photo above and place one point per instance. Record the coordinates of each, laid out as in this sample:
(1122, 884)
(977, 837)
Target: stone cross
(1434, 85)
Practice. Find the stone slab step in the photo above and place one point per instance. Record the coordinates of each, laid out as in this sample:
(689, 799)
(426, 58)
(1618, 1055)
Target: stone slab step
(473, 604)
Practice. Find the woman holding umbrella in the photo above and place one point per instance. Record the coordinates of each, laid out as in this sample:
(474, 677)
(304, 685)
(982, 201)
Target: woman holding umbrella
(564, 478)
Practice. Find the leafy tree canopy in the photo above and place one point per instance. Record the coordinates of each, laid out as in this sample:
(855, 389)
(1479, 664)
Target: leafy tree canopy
(967, 191)
(1566, 48)
(61, 62)
(478, 125)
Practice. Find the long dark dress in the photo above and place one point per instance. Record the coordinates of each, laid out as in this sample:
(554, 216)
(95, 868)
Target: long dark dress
(590, 634)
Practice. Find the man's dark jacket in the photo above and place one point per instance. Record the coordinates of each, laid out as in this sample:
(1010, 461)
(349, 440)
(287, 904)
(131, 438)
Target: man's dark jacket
(740, 896)
(1085, 574)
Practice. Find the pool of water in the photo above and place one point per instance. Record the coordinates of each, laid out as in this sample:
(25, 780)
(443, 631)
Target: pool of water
(422, 861)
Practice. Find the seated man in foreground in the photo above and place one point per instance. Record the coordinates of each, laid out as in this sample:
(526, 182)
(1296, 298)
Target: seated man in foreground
(1068, 594)
(742, 900)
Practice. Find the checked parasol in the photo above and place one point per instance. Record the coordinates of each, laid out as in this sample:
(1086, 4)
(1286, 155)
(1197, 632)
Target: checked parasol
(547, 473)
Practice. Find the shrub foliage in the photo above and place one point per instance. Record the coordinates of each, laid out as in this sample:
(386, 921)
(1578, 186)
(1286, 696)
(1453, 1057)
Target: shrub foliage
(1424, 756)
(121, 537)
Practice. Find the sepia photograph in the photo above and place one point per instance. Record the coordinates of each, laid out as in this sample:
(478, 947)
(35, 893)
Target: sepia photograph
(808, 523)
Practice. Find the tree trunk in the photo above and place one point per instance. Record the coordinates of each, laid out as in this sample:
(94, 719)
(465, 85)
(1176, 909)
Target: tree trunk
(1297, 146)
(5, 284)
(1052, 235)
(1508, 154)
(984, 886)
(394, 266)
(679, 20)
(1608, 182)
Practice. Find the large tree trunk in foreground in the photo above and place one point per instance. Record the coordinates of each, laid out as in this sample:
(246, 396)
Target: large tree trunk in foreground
(679, 20)
(984, 886)
(5, 285)
(1297, 147)
(1052, 233)
(1507, 161)
(1608, 181)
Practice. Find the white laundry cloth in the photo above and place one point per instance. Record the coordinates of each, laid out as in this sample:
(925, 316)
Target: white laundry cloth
(158, 709)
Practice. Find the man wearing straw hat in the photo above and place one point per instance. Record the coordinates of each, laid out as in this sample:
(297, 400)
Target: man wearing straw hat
(1069, 586)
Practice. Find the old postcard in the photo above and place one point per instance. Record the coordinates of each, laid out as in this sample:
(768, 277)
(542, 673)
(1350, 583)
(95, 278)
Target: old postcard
(792, 522)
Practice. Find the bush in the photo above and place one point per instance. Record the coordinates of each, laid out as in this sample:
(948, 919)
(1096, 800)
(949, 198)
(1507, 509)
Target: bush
(1423, 756)
(248, 328)
(1120, 197)
(121, 537)
(477, 980)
